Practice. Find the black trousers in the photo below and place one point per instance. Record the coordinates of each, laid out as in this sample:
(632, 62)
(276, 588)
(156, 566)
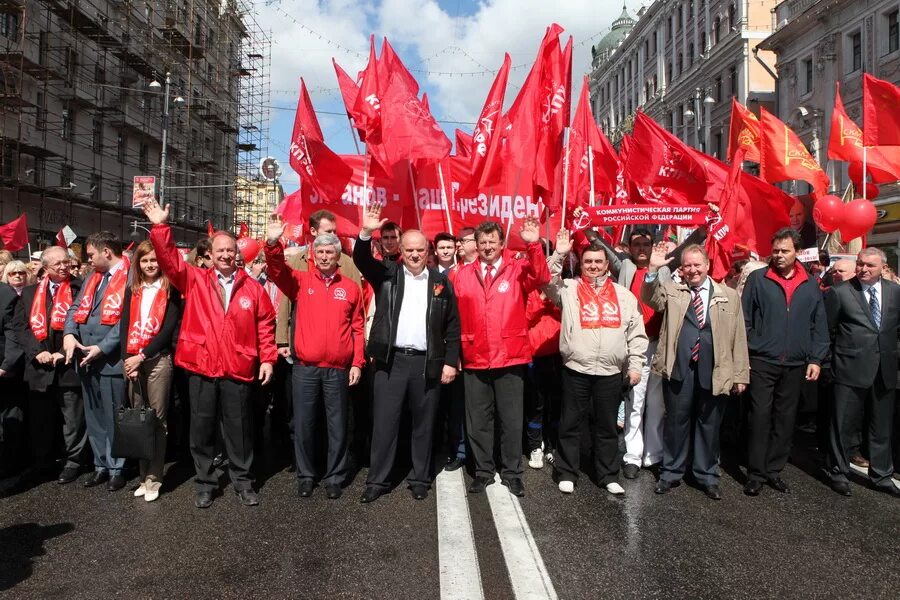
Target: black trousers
(225, 404)
(44, 412)
(12, 425)
(774, 395)
(848, 401)
(451, 421)
(596, 397)
(491, 392)
(312, 386)
(398, 382)
(691, 430)
(543, 401)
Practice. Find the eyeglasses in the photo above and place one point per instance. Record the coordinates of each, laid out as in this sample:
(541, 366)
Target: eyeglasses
(22, 273)
(467, 239)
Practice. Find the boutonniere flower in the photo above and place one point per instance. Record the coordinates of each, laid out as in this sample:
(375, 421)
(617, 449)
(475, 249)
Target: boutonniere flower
(438, 288)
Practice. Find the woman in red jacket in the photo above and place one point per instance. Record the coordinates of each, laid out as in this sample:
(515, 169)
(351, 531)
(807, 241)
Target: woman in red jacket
(151, 312)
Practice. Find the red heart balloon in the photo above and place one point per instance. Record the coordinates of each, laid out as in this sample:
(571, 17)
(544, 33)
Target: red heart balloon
(249, 249)
(859, 217)
(828, 212)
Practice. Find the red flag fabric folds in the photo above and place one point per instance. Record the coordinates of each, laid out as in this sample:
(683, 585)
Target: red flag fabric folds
(846, 143)
(367, 108)
(743, 132)
(349, 94)
(589, 150)
(15, 234)
(881, 112)
(484, 136)
(784, 157)
(723, 230)
(555, 107)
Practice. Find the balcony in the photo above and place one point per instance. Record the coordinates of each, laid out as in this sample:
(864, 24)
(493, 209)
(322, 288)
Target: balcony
(789, 10)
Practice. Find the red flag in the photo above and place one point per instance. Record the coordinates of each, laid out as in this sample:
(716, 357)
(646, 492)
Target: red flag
(210, 230)
(61, 239)
(390, 65)
(881, 112)
(367, 108)
(14, 234)
(317, 165)
(659, 160)
(349, 93)
(463, 144)
(556, 102)
(846, 143)
(588, 147)
(484, 135)
(723, 230)
(743, 132)
(243, 230)
(784, 157)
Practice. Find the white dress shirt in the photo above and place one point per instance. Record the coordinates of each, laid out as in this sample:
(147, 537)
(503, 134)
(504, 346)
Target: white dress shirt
(495, 264)
(705, 292)
(148, 294)
(228, 284)
(877, 287)
(411, 332)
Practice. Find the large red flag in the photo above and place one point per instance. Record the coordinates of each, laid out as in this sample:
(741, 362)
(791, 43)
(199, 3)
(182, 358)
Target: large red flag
(390, 65)
(463, 144)
(784, 157)
(349, 94)
(722, 230)
(15, 234)
(881, 112)
(846, 143)
(743, 132)
(367, 108)
(317, 165)
(484, 136)
(556, 102)
(588, 148)
(658, 159)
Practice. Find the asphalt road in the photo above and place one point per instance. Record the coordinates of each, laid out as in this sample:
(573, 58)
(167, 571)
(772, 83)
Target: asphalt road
(72, 542)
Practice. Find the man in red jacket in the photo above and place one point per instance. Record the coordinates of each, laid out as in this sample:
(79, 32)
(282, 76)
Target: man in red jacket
(492, 293)
(226, 342)
(327, 324)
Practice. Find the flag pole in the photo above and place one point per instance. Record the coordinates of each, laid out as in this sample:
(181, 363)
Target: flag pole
(566, 176)
(353, 133)
(365, 202)
(444, 197)
(863, 183)
(412, 181)
(591, 172)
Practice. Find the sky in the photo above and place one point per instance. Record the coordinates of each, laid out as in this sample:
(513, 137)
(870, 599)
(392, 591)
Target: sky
(452, 47)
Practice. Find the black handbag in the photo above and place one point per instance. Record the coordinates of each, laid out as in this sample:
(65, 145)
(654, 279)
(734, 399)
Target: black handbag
(135, 431)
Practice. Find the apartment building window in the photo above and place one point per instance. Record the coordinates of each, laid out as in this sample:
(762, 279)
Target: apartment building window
(669, 23)
(144, 157)
(680, 63)
(856, 51)
(732, 75)
(807, 76)
(714, 32)
(691, 54)
(68, 124)
(717, 146)
(97, 135)
(71, 65)
(96, 185)
(40, 113)
(121, 147)
(702, 42)
(893, 31)
(732, 16)
(9, 25)
(646, 48)
(680, 12)
(43, 47)
(66, 175)
(718, 89)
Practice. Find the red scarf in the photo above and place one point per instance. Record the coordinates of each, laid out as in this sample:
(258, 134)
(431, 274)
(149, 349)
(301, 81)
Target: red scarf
(61, 303)
(111, 309)
(139, 336)
(598, 307)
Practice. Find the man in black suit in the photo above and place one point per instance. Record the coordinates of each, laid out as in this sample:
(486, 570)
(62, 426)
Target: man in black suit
(53, 386)
(415, 343)
(12, 421)
(863, 316)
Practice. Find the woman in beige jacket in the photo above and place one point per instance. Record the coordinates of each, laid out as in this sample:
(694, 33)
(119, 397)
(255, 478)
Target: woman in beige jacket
(602, 343)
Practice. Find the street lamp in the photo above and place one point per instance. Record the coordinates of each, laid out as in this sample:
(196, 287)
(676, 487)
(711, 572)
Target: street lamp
(178, 101)
(700, 115)
(135, 225)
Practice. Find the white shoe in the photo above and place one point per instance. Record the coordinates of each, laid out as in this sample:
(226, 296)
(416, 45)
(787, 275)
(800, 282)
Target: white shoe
(536, 460)
(142, 489)
(615, 489)
(152, 492)
(566, 487)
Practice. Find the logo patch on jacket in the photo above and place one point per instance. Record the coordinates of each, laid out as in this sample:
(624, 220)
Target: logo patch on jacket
(503, 287)
(245, 303)
(340, 294)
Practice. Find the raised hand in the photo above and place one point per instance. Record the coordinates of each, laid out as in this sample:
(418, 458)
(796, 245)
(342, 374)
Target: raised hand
(530, 230)
(155, 213)
(658, 258)
(563, 242)
(372, 219)
(275, 229)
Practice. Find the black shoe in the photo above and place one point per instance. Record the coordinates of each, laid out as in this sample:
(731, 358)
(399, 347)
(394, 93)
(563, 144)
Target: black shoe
(753, 487)
(247, 497)
(516, 488)
(333, 491)
(712, 492)
(116, 483)
(778, 483)
(663, 486)
(454, 464)
(218, 461)
(203, 499)
(631, 471)
(371, 494)
(841, 487)
(68, 475)
(479, 484)
(305, 488)
(419, 491)
(96, 479)
(889, 488)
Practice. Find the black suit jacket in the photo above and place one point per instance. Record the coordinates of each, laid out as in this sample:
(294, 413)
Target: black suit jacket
(39, 377)
(859, 348)
(11, 325)
(442, 316)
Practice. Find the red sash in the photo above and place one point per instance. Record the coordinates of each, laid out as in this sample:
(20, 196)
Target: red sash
(111, 308)
(598, 307)
(61, 303)
(139, 336)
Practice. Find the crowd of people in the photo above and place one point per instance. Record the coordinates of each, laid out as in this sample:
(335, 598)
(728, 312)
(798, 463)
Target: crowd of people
(457, 352)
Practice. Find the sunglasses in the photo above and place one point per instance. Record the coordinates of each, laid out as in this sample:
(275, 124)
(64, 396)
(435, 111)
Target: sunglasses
(22, 273)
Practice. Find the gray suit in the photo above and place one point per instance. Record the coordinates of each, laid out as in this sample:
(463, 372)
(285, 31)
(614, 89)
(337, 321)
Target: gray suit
(102, 381)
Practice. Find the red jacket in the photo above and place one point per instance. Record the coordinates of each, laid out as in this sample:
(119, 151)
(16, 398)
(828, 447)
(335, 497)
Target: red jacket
(213, 342)
(543, 324)
(328, 316)
(493, 324)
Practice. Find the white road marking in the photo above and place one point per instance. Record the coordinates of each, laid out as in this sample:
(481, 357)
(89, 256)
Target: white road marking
(527, 572)
(460, 573)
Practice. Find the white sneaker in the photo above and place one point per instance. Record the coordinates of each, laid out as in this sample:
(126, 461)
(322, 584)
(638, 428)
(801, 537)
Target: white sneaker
(536, 460)
(566, 487)
(142, 489)
(152, 492)
(615, 488)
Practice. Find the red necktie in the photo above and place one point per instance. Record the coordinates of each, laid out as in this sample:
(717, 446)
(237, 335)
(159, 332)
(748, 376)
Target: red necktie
(488, 276)
(698, 310)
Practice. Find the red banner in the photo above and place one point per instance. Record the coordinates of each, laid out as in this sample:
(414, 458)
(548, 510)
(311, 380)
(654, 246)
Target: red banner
(643, 214)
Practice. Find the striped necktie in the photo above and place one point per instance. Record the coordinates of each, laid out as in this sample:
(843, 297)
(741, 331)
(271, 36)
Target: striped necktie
(697, 303)
(875, 307)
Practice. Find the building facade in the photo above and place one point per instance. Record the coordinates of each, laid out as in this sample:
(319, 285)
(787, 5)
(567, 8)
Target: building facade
(79, 117)
(818, 43)
(255, 200)
(680, 62)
